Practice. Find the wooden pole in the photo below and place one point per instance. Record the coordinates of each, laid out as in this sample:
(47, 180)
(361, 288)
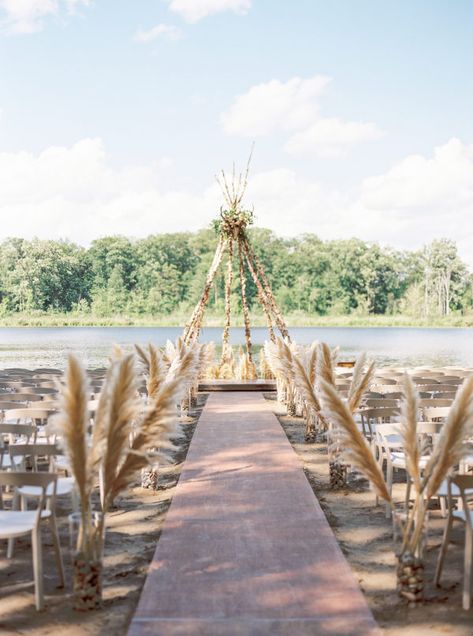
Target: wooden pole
(269, 295)
(244, 304)
(192, 328)
(228, 301)
(261, 294)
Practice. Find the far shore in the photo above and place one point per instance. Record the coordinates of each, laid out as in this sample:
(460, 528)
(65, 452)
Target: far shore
(296, 319)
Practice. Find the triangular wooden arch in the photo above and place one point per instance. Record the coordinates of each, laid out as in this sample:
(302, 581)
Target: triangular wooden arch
(232, 231)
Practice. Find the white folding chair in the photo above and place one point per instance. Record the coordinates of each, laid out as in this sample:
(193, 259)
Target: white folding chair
(459, 486)
(18, 523)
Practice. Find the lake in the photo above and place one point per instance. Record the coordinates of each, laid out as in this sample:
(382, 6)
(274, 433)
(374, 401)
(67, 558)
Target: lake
(35, 347)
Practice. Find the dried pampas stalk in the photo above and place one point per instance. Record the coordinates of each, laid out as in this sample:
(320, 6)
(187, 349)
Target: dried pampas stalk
(325, 364)
(156, 428)
(360, 382)
(120, 414)
(72, 422)
(312, 363)
(356, 451)
(410, 438)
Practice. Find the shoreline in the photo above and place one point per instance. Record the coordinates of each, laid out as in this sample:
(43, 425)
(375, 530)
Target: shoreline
(178, 321)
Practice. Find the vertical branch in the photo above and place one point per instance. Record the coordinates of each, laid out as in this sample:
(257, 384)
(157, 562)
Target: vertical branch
(271, 300)
(261, 294)
(244, 304)
(228, 299)
(193, 326)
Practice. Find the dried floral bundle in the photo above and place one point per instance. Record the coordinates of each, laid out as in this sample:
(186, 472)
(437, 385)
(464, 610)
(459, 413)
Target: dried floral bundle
(120, 417)
(446, 455)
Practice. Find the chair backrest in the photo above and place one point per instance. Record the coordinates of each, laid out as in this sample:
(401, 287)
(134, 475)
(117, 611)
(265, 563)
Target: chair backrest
(49, 451)
(428, 374)
(452, 379)
(46, 384)
(29, 414)
(383, 381)
(391, 391)
(448, 387)
(42, 480)
(24, 397)
(42, 390)
(445, 395)
(420, 381)
(388, 435)
(463, 483)
(380, 413)
(28, 430)
(382, 403)
(17, 384)
(6, 406)
(429, 402)
(47, 371)
(429, 388)
(34, 450)
(436, 413)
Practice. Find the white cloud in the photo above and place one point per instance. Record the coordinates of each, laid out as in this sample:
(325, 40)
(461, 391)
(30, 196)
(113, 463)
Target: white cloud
(417, 182)
(27, 16)
(293, 106)
(195, 10)
(332, 137)
(76, 193)
(275, 105)
(167, 31)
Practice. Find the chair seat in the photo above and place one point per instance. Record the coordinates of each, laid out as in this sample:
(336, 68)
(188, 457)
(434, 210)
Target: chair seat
(62, 463)
(398, 460)
(15, 523)
(65, 485)
(461, 514)
(7, 461)
(443, 490)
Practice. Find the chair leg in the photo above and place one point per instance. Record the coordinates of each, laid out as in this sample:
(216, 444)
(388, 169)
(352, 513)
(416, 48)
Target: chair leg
(443, 507)
(57, 549)
(443, 550)
(389, 483)
(408, 492)
(15, 506)
(467, 568)
(75, 500)
(37, 568)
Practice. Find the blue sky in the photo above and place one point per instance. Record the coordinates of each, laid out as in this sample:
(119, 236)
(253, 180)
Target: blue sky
(116, 114)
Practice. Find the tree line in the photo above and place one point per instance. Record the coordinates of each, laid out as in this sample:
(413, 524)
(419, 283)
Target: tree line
(165, 273)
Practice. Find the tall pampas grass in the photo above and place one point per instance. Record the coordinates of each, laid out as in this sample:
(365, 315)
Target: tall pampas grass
(325, 363)
(446, 454)
(360, 382)
(72, 422)
(246, 369)
(355, 449)
(108, 449)
(155, 365)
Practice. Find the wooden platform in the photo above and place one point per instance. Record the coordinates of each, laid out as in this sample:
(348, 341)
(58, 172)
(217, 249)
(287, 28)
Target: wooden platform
(235, 385)
(246, 549)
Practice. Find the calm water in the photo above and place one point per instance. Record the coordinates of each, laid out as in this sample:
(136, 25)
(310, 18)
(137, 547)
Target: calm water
(388, 346)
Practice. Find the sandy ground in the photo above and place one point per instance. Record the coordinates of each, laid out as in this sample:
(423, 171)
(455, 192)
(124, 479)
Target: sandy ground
(365, 536)
(133, 529)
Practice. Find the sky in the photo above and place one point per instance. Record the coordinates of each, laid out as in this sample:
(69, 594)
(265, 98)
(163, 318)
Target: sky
(115, 116)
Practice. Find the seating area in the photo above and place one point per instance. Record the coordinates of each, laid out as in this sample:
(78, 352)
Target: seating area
(35, 475)
(33, 470)
(379, 418)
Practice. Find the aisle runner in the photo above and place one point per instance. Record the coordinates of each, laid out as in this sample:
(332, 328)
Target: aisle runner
(246, 549)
